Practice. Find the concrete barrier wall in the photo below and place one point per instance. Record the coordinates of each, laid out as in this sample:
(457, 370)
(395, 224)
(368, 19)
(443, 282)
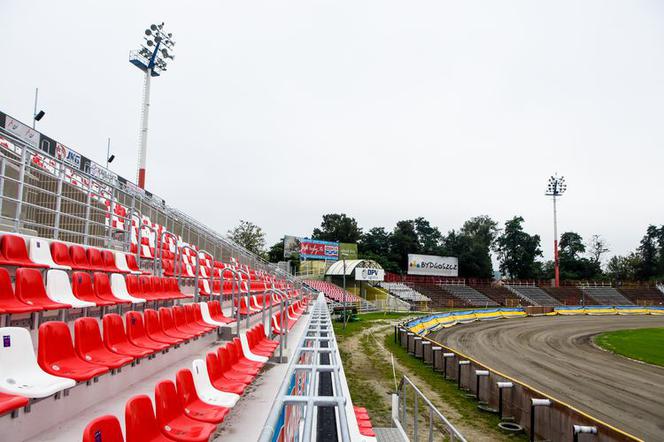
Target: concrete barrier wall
(553, 422)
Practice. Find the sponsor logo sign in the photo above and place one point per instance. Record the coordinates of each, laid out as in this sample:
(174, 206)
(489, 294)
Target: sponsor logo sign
(431, 265)
(369, 274)
(22, 131)
(316, 249)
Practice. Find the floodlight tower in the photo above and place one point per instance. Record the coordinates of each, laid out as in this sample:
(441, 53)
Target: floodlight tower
(555, 189)
(151, 59)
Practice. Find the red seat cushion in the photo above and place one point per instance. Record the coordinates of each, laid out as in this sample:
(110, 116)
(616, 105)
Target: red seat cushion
(140, 421)
(14, 252)
(60, 254)
(9, 303)
(193, 406)
(116, 339)
(10, 402)
(30, 289)
(172, 420)
(90, 347)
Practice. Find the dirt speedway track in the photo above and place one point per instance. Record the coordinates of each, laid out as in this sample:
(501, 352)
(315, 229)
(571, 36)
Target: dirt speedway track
(556, 356)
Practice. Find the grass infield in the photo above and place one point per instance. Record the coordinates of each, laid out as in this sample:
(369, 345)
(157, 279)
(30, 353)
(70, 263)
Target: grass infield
(643, 344)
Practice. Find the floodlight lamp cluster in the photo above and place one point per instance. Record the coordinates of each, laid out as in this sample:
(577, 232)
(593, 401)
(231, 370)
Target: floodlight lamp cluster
(556, 186)
(158, 47)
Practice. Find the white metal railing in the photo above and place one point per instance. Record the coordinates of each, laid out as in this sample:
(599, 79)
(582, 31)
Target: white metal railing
(407, 420)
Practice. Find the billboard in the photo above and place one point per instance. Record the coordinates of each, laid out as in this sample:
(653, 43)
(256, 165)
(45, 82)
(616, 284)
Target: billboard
(317, 249)
(369, 274)
(291, 246)
(347, 250)
(430, 265)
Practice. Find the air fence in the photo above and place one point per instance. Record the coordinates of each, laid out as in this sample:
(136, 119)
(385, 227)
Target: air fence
(541, 416)
(51, 191)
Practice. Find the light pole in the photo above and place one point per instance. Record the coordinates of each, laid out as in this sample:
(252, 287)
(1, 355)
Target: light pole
(151, 59)
(555, 189)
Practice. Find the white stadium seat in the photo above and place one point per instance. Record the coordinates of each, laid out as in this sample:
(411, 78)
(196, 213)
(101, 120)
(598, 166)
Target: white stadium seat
(206, 391)
(39, 252)
(19, 371)
(121, 263)
(205, 312)
(58, 289)
(119, 289)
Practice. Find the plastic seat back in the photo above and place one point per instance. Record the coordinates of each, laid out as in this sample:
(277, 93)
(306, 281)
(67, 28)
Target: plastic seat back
(157, 287)
(82, 286)
(167, 403)
(179, 316)
(94, 258)
(40, 253)
(140, 421)
(108, 260)
(146, 285)
(213, 366)
(14, 250)
(7, 295)
(55, 344)
(87, 336)
(152, 322)
(120, 290)
(133, 285)
(131, 263)
(103, 286)
(135, 325)
(166, 317)
(30, 289)
(121, 262)
(103, 429)
(58, 289)
(114, 332)
(60, 254)
(186, 389)
(79, 258)
(17, 355)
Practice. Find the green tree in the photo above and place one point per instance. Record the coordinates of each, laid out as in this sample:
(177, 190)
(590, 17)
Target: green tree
(276, 252)
(404, 240)
(624, 268)
(574, 266)
(518, 251)
(648, 253)
(249, 236)
(338, 227)
(428, 237)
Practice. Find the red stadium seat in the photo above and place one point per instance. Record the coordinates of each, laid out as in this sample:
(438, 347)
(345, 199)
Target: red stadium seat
(9, 303)
(155, 330)
(131, 263)
(79, 258)
(103, 289)
(137, 335)
(231, 372)
(60, 254)
(180, 317)
(217, 313)
(30, 290)
(140, 421)
(108, 258)
(194, 407)
(13, 252)
(83, 289)
(147, 289)
(103, 429)
(90, 347)
(169, 326)
(95, 259)
(56, 354)
(116, 339)
(235, 348)
(216, 376)
(195, 319)
(172, 419)
(10, 402)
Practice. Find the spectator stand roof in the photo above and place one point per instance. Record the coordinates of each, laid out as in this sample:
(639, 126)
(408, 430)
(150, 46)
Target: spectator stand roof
(349, 265)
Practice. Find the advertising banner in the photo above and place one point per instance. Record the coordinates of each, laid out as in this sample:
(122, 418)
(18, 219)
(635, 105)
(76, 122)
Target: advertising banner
(316, 249)
(22, 131)
(430, 265)
(291, 246)
(347, 250)
(369, 274)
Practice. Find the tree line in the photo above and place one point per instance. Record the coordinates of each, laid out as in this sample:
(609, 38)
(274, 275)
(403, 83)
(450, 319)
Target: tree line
(518, 253)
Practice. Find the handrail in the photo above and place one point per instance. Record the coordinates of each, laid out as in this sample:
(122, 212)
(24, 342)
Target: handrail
(402, 422)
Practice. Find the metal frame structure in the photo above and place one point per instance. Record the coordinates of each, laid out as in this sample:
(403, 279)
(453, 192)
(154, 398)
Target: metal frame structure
(51, 197)
(306, 360)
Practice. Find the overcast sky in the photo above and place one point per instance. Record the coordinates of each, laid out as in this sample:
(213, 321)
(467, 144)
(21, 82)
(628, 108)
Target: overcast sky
(280, 111)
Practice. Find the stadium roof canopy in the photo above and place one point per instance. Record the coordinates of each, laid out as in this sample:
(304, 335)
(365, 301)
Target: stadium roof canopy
(351, 264)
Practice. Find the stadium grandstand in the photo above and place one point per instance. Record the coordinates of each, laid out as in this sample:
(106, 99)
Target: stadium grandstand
(123, 318)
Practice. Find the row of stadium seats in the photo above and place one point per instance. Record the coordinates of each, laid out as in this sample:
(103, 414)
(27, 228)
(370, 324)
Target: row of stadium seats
(30, 294)
(363, 421)
(332, 292)
(191, 408)
(62, 362)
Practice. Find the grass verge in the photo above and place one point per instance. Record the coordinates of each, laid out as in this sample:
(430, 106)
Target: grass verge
(643, 344)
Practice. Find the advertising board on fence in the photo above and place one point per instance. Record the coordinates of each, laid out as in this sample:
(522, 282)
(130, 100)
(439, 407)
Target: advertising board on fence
(316, 249)
(347, 250)
(430, 265)
(369, 274)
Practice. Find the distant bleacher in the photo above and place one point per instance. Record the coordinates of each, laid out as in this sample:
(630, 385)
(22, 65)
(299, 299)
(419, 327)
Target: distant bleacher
(605, 295)
(569, 295)
(644, 295)
(338, 296)
(404, 292)
(534, 295)
(469, 295)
